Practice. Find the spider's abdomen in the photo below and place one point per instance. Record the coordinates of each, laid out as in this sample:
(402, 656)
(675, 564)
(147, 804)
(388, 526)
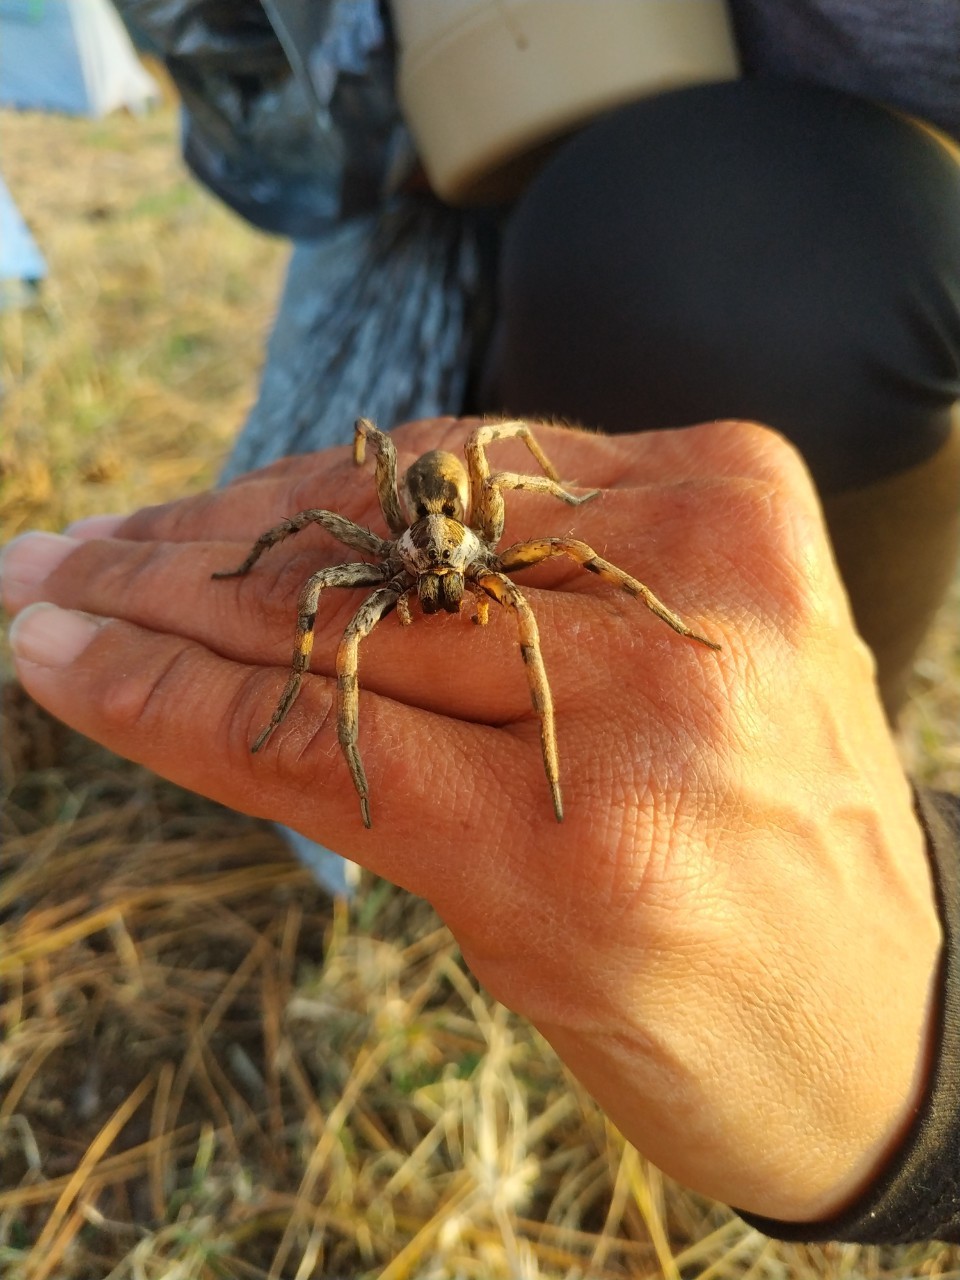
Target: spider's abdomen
(436, 483)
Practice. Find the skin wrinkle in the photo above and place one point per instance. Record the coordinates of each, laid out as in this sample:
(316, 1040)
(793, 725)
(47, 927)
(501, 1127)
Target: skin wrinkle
(602, 874)
(317, 755)
(389, 768)
(510, 763)
(119, 579)
(238, 761)
(178, 521)
(319, 750)
(126, 576)
(782, 584)
(129, 703)
(654, 876)
(769, 1006)
(652, 1066)
(505, 766)
(828, 1044)
(814, 905)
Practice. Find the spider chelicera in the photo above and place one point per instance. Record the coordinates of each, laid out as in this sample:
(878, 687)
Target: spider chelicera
(445, 520)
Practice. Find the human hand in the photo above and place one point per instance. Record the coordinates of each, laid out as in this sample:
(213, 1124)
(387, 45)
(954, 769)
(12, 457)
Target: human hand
(731, 939)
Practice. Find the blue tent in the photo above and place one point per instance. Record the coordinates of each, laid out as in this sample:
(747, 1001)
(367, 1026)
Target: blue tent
(72, 56)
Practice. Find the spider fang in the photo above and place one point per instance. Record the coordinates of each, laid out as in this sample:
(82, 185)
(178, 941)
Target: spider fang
(446, 521)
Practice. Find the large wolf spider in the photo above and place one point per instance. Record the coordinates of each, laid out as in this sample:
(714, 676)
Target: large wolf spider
(445, 534)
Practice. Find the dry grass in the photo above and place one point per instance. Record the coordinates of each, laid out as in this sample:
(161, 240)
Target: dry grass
(127, 381)
(208, 1069)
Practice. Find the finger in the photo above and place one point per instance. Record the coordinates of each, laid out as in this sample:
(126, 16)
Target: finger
(245, 508)
(101, 526)
(170, 704)
(442, 664)
(651, 462)
(256, 501)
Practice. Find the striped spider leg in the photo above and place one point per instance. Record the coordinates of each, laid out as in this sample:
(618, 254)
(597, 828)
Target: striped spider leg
(486, 497)
(524, 554)
(376, 606)
(499, 587)
(344, 530)
(340, 575)
(386, 474)
(359, 574)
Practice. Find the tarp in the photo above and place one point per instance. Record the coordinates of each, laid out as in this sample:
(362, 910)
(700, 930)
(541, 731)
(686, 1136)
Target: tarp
(19, 255)
(21, 263)
(70, 56)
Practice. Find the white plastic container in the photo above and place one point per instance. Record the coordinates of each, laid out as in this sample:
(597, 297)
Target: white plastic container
(486, 85)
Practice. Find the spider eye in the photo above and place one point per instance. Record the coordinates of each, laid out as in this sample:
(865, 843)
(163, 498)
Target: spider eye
(449, 510)
(421, 510)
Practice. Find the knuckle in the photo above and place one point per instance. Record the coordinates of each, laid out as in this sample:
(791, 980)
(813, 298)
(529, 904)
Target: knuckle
(353, 487)
(304, 746)
(277, 594)
(244, 717)
(133, 700)
(175, 521)
(109, 571)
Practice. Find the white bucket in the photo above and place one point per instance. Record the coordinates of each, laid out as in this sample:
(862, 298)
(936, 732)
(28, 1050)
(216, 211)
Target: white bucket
(486, 85)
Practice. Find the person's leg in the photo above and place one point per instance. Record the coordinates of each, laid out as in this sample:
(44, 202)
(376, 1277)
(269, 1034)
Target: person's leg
(896, 543)
(767, 251)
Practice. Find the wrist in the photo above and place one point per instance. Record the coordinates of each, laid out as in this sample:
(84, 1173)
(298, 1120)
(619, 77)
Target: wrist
(760, 1075)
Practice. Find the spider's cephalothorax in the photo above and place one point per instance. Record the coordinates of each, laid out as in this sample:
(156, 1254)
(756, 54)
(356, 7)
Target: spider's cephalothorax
(444, 534)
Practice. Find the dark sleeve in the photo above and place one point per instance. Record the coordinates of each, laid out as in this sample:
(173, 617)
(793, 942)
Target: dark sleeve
(917, 1196)
(905, 53)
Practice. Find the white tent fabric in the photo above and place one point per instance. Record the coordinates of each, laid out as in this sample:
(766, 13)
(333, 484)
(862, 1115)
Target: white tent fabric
(72, 56)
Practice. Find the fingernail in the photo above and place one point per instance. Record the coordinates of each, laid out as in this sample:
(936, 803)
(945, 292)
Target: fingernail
(95, 527)
(52, 637)
(27, 562)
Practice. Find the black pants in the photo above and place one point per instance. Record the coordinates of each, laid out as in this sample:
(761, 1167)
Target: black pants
(767, 251)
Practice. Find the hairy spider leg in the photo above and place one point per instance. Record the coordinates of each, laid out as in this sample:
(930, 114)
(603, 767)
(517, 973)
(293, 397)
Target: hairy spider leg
(344, 530)
(376, 606)
(482, 606)
(524, 554)
(386, 474)
(538, 484)
(486, 500)
(341, 575)
(403, 608)
(507, 593)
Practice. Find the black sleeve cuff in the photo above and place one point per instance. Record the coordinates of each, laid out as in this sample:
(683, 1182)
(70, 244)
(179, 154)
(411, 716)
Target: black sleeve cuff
(917, 1196)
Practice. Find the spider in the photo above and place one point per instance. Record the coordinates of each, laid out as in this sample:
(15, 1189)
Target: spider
(445, 520)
